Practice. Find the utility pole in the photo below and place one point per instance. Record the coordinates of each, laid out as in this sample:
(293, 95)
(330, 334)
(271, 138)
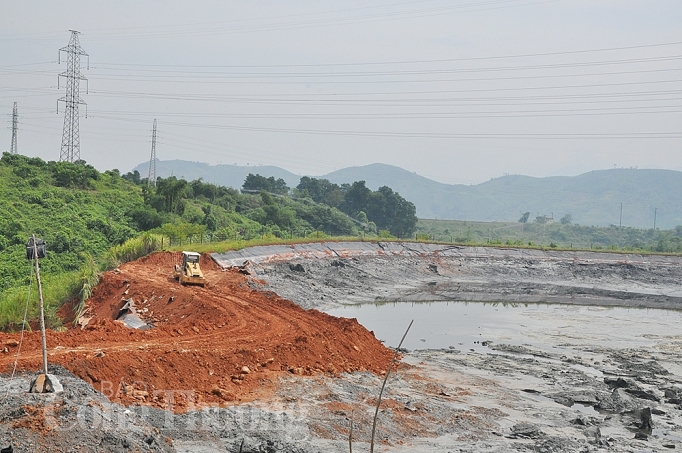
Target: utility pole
(44, 383)
(655, 212)
(15, 124)
(71, 142)
(620, 223)
(151, 180)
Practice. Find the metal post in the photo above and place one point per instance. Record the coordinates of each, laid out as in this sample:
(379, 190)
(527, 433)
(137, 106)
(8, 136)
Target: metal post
(42, 308)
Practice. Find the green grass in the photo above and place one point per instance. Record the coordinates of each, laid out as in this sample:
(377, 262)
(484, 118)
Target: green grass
(225, 246)
(56, 290)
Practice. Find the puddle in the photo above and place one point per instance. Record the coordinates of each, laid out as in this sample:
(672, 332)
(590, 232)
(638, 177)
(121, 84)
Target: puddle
(667, 434)
(465, 325)
(585, 410)
(588, 370)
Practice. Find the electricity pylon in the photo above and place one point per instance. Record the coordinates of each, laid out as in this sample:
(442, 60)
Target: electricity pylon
(71, 142)
(15, 124)
(151, 180)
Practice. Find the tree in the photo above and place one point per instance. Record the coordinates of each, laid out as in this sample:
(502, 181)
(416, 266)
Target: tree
(356, 199)
(272, 185)
(134, 177)
(524, 217)
(171, 191)
(566, 220)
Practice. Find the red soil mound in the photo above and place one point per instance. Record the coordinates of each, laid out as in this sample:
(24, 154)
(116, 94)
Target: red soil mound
(224, 342)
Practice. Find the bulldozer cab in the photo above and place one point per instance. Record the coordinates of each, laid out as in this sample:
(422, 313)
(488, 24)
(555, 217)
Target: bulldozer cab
(190, 257)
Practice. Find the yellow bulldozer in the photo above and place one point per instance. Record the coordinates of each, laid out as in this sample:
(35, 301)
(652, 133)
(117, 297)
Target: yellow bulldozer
(189, 273)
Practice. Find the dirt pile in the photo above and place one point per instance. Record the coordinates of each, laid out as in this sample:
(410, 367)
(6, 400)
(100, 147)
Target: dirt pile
(222, 343)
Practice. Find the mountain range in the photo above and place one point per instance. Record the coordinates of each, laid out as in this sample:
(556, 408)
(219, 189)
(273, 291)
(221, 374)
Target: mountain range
(592, 198)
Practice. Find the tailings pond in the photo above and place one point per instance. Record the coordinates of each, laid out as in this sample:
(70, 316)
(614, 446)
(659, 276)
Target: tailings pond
(464, 326)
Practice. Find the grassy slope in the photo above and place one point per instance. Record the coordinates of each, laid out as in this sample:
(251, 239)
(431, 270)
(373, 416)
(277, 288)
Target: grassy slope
(72, 221)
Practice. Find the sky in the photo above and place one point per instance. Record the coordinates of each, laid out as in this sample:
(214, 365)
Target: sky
(459, 91)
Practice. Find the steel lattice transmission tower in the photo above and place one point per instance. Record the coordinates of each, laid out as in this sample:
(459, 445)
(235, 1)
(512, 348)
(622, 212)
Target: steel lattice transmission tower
(71, 142)
(15, 124)
(151, 179)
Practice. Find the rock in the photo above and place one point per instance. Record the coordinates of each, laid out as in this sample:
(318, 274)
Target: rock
(672, 393)
(579, 421)
(617, 382)
(223, 394)
(647, 424)
(563, 400)
(245, 370)
(616, 403)
(525, 430)
(297, 267)
(593, 434)
(247, 268)
(643, 394)
(641, 436)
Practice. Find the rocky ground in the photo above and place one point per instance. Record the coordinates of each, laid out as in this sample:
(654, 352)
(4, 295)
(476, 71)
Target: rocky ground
(557, 393)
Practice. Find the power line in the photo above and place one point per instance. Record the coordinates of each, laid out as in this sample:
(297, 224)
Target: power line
(402, 62)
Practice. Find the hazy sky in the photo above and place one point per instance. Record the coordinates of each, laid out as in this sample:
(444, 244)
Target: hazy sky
(459, 91)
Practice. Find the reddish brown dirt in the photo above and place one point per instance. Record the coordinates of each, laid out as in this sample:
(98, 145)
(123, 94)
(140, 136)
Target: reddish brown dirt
(202, 339)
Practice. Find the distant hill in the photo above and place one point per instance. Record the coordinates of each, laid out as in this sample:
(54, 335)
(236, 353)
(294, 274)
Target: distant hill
(592, 198)
(224, 175)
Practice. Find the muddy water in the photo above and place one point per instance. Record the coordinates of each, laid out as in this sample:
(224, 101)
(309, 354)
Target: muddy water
(466, 326)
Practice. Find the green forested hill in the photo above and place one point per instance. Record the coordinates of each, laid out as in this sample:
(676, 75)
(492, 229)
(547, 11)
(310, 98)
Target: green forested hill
(592, 198)
(74, 208)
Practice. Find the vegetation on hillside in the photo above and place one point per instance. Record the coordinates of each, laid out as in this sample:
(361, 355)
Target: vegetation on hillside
(384, 208)
(561, 234)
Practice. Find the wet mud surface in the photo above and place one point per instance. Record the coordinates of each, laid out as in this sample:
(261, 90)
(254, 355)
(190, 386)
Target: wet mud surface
(332, 274)
(575, 380)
